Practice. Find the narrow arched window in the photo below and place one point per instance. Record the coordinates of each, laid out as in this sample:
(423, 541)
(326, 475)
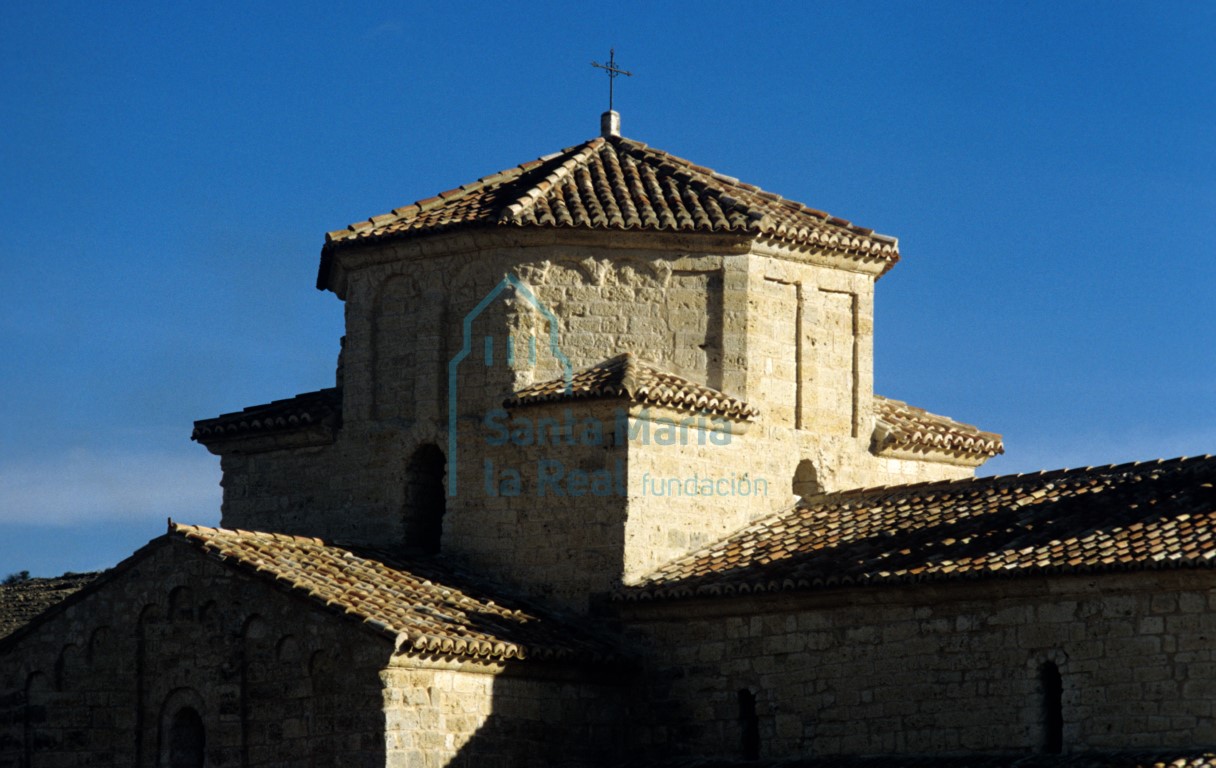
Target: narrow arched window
(1052, 687)
(806, 480)
(425, 499)
(749, 725)
(187, 739)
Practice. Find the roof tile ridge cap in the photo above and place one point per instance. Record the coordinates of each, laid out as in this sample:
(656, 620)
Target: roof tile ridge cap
(726, 400)
(579, 155)
(708, 176)
(200, 529)
(427, 203)
(827, 498)
(181, 529)
(641, 367)
(632, 144)
(631, 380)
(1177, 461)
(950, 419)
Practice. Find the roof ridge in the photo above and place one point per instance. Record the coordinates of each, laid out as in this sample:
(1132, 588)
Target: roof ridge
(504, 176)
(901, 426)
(709, 175)
(578, 156)
(1012, 477)
(627, 375)
(928, 412)
(758, 217)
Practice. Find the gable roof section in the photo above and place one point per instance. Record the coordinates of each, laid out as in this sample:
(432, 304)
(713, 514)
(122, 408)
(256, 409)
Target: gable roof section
(1126, 517)
(905, 429)
(424, 607)
(626, 376)
(24, 600)
(614, 183)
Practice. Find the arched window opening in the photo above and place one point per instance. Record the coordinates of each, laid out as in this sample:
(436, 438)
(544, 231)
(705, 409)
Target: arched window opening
(1053, 707)
(749, 725)
(187, 739)
(425, 499)
(181, 604)
(65, 667)
(806, 480)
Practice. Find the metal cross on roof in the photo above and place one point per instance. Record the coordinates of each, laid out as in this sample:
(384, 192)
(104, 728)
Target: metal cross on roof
(612, 71)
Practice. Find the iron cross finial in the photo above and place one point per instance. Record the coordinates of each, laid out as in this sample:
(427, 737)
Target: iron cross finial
(612, 71)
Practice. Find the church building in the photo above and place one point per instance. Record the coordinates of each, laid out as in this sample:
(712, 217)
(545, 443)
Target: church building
(603, 480)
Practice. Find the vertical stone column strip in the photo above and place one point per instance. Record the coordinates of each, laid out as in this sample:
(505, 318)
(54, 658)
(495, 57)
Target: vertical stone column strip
(863, 357)
(854, 384)
(358, 387)
(735, 281)
(800, 331)
(837, 396)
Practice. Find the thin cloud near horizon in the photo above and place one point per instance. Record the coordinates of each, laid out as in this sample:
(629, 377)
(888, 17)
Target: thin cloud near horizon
(86, 485)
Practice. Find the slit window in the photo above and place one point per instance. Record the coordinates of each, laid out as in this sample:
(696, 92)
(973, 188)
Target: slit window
(749, 726)
(1053, 707)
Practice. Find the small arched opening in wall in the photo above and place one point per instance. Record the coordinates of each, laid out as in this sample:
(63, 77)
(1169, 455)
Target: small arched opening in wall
(806, 480)
(98, 642)
(1051, 691)
(425, 499)
(183, 734)
(181, 604)
(749, 725)
(67, 667)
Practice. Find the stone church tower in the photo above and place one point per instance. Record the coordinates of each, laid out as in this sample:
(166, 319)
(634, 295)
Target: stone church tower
(577, 369)
(603, 481)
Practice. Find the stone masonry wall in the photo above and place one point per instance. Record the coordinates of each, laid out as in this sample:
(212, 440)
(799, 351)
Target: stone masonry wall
(275, 683)
(449, 715)
(790, 332)
(935, 668)
(546, 513)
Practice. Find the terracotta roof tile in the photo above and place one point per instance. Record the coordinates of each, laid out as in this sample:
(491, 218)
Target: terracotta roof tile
(899, 426)
(322, 408)
(625, 376)
(618, 183)
(22, 601)
(1125, 517)
(1175, 758)
(425, 607)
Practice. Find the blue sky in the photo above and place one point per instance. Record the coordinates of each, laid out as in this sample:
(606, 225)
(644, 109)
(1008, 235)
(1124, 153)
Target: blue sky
(168, 172)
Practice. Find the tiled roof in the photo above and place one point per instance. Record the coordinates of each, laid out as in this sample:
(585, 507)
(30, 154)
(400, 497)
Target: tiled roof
(425, 608)
(900, 426)
(23, 600)
(1126, 517)
(322, 409)
(1175, 758)
(625, 376)
(617, 183)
